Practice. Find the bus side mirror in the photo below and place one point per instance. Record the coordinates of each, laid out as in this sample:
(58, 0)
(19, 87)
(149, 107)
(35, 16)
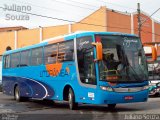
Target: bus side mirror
(98, 46)
(150, 51)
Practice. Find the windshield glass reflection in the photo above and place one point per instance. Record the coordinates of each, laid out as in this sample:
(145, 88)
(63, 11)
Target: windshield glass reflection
(123, 59)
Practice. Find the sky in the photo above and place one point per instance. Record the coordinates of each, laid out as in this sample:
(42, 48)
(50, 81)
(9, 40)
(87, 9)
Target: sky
(57, 12)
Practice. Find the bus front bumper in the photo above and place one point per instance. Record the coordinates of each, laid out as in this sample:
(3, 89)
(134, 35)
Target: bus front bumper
(106, 97)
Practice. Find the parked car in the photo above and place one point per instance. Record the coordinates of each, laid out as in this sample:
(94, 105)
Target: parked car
(154, 90)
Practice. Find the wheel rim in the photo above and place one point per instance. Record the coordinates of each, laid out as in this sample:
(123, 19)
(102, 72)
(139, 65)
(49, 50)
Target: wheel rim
(70, 100)
(17, 94)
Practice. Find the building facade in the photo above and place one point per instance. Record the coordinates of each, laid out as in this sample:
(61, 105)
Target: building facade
(103, 19)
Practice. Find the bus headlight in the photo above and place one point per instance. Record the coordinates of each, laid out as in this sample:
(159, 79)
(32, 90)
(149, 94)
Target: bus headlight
(145, 87)
(106, 88)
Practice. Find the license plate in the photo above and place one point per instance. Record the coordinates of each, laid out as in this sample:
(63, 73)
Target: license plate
(128, 97)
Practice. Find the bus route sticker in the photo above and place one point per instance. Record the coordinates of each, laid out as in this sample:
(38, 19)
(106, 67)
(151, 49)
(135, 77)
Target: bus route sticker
(128, 42)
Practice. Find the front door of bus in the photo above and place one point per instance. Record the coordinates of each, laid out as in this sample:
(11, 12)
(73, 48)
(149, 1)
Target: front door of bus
(86, 67)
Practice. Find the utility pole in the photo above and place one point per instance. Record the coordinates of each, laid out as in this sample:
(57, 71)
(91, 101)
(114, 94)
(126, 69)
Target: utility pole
(139, 19)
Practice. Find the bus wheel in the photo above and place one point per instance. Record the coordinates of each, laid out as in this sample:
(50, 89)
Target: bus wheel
(111, 106)
(17, 96)
(71, 100)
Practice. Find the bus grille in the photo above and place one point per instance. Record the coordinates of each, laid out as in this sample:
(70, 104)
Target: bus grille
(135, 89)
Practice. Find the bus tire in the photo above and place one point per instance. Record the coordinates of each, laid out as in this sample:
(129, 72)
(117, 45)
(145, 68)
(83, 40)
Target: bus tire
(111, 106)
(17, 96)
(71, 100)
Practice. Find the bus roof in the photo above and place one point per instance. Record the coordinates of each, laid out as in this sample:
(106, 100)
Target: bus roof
(66, 37)
(87, 32)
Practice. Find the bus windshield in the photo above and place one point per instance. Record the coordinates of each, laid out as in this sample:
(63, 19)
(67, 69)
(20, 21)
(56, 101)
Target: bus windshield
(123, 59)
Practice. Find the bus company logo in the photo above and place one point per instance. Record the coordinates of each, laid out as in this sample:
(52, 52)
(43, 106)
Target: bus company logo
(81, 44)
(17, 12)
(54, 73)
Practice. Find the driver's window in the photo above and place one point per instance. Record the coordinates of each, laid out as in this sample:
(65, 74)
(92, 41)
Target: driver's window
(110, 58)
(85, 59)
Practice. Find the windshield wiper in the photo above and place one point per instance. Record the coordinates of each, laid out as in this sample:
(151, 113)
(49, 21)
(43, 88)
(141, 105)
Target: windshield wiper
(136, 75)
(140, 66)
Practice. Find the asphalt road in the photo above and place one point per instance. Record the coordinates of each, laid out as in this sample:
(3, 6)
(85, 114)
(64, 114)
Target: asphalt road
(46, 110)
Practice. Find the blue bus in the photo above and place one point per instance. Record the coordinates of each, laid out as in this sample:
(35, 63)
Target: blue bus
(83, 67)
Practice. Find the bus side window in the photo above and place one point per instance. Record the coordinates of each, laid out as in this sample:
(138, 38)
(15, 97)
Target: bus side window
(15, 59)
(25, 58)
(66, 50)
(36, 58)
(6, 61)
(50, 54)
